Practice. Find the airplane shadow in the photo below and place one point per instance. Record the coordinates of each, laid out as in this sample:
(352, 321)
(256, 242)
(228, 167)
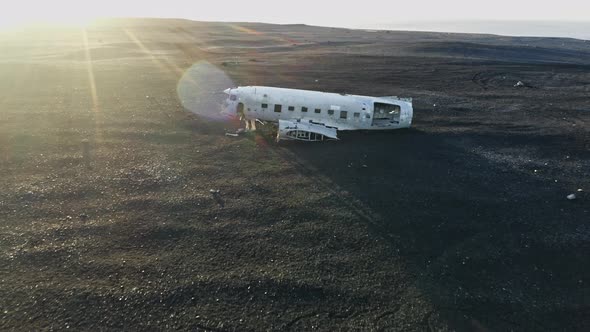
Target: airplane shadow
(473, 232)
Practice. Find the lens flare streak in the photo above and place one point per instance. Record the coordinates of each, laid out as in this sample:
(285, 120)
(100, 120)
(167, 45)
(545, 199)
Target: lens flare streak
(167, 66)
(90, 69)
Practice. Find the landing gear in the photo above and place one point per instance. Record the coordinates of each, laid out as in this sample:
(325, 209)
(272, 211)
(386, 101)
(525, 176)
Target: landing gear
(250, 124)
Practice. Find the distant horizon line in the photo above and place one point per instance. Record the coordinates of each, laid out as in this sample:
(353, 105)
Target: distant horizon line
(421, 25)
(540, 28)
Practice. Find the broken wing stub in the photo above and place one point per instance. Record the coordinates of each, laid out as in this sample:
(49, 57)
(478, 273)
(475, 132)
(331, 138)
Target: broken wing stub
(305, 131)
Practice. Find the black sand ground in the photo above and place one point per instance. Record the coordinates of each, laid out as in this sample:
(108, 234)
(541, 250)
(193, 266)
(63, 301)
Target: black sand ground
(460, 223)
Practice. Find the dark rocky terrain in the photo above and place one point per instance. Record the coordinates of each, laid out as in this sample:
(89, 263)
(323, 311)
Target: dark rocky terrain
(460, 223)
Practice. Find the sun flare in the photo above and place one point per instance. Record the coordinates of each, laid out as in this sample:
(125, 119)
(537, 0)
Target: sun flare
(57, 21)
(46, 14)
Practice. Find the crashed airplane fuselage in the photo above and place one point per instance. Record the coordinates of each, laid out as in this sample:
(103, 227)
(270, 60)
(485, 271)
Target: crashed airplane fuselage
(313, 115)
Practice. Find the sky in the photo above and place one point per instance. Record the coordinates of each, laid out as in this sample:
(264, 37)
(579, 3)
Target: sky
(354, 14)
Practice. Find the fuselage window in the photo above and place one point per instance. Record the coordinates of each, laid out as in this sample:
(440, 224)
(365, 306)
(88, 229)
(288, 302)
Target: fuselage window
(343, 114)
(368, 116)
(318, 110)
(303, 109)
(291, 108)
(264, 105)
(330, 112)
(233, 97)
(357, 114)
(278, 108)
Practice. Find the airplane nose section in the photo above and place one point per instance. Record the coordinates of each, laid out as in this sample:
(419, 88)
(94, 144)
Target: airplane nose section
(227, 91)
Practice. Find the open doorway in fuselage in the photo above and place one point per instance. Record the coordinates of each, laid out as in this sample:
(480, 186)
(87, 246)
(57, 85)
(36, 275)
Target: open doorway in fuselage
(240, 110)
(385, 115)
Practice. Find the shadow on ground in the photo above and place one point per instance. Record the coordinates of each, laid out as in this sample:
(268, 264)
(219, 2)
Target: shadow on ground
(490, 245)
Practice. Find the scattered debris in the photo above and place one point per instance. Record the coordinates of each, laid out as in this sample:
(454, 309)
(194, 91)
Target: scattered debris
(571, 197)
(214, 191)
(83, 216)
(237, 133)
(580, 190)
(519, 84)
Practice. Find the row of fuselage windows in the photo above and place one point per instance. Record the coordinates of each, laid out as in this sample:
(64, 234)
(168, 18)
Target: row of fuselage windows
(343, 114)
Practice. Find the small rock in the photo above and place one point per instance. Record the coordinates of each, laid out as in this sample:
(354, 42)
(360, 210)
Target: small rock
(571, 197)
(519, 84)
(83, 216)
(214, 191)
(580, 190)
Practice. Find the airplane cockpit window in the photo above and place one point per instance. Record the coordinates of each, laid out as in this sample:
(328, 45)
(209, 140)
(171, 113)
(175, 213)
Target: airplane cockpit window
(233, 97)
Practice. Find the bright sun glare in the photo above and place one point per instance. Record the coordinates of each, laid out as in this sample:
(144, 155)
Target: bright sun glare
(58, 20)
(50, 13)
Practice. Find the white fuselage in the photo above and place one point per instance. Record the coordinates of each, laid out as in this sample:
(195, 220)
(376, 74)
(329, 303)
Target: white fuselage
(339, 111)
